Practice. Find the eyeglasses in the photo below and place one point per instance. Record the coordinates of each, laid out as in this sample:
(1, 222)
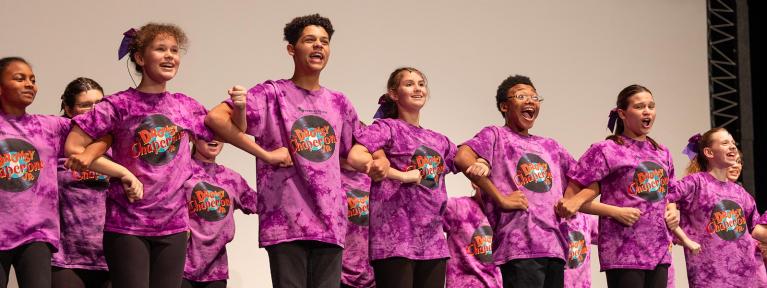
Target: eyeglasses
(523, 97)
(87, 105)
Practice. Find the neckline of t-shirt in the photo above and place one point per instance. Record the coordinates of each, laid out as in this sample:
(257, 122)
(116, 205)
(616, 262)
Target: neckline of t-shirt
(528, 136)
(134, 90)
(15, 118)
(712, 178)
(310, 92)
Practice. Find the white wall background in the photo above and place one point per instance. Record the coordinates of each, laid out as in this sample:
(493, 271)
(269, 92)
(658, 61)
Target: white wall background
(578, 53)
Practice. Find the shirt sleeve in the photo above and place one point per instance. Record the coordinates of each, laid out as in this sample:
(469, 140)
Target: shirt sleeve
(255, 107)
(592, 167)
(99, 121)
(351, 123)
(483, 143)
(375, 136)
(248, 197)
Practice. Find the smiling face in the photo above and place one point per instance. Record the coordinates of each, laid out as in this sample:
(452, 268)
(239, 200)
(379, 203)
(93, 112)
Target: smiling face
(521, 108)
(733, 172)
(18, 86)
(84, 102)
(639, 116)
(160, 59)
(722, 153)
(412, 93)
(312, 50)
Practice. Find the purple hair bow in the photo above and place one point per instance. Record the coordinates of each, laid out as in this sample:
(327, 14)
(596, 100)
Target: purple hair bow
(613, 118)
(128, 37)
(691, 150)
(380, 112)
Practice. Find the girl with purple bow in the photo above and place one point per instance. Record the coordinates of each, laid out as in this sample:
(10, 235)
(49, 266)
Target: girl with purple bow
(407, 245)
(146, 234)
(82, 203)
(720, 215)
(632, 172)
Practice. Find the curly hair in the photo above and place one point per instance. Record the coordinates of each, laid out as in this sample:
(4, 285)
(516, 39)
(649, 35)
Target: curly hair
(501, 95)
(296, 26)
(147, 33)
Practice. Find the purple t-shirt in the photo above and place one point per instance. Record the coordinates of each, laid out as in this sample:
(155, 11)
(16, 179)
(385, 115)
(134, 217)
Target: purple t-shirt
(212, 193)
(720, 216)
(470, 240)
(631, 175)
(406, 219)
(82, 206)
(581, 232)
(151, 139)
(304, 201)
(29, 149)
(537, 166)
(356, 270)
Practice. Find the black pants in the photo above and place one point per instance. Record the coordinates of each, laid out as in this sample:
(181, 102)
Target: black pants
(636, 278)
(32, 263)
(79, 278)
(534, 273)
(305, 264)
(144, 262)
(399, 272)
(212, 284)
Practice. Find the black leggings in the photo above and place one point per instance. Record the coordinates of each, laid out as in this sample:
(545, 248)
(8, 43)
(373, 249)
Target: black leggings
(534, 272)
(305, 264)
(144, 262)
(636, 278)
(399, 272)
(32, 263)
(79, 278)
(212, 284)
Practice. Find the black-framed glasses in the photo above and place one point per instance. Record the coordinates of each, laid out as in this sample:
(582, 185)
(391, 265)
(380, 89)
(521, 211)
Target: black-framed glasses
(523, 97)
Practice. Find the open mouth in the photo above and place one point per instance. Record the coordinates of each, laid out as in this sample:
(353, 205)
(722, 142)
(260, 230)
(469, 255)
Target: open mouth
(528, 113)
(213, 144)
(317, 56)
(646, 123)
(168, 65)
(731, 154)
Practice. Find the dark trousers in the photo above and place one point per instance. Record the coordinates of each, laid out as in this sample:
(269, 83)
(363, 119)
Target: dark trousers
(79, 278)
(636, 278)
(299, 264)
(144, 262)
(212, 284)
(399, 272)
(534, 273)
(32, 263)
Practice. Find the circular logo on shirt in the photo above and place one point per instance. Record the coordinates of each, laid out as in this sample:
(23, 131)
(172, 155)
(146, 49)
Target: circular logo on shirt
(20, 165)
(481, 246)
(89, 180)
(430, 164)
(357, 201)
(157, 140)
(578, 249)
(313, 138)
(650, 182)
(209, 202)
(534, 173)
(727, 220)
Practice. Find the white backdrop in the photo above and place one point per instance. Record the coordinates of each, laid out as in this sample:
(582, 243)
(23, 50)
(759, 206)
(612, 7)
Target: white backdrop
(579, 54)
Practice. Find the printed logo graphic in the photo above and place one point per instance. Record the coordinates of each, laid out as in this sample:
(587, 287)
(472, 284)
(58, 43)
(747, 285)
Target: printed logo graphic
(481, 246)
(578, 249)
(430, 164)
(534, 173)
(20, 165)
(650, 182)
(313, 138)
(357, 201)
(157, 140)
(209, 202)
(727, 220)
(89, 180)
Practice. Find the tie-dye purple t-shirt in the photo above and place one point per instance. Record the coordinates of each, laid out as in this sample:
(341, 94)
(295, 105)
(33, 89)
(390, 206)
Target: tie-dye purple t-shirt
(406, 219)
(30, 146)
(151, 139)
(356, 270)
(213, 193)
(537, 166)
(470, 240)
(82, 206)
(720, 216)
(636, 175)
(581, 232)
(304, 201)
